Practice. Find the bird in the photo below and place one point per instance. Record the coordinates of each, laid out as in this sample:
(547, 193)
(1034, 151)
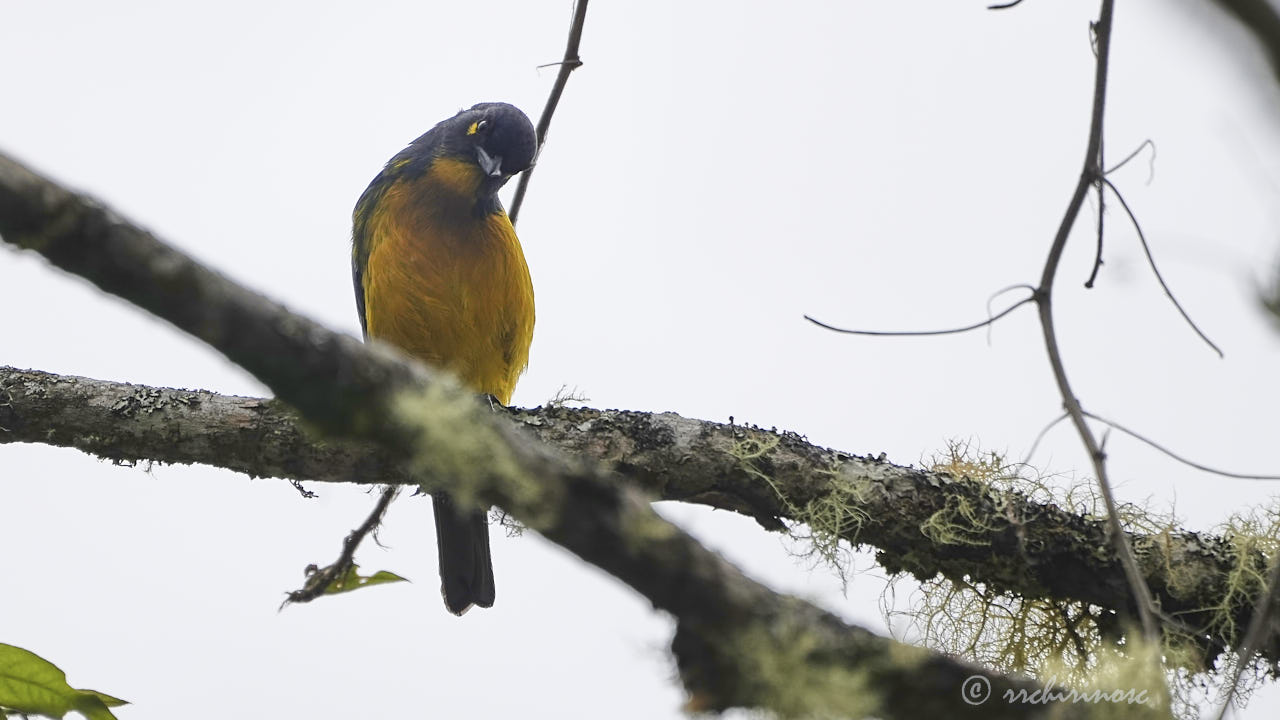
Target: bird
(440, 274)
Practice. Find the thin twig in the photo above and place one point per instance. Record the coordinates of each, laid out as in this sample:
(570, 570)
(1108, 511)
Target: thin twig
(920, 333)
(1102, 215)
(1166, 451)
(991, 298)
(304, 492)
(1088, 176)
(1151, 164)
(1142, 238)
(570, 63)
(319, 579)
(1043, 431)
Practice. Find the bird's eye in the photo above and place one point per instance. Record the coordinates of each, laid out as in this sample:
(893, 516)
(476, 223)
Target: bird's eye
(478, 126)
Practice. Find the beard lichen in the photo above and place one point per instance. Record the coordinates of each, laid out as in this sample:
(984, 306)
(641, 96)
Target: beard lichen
(1122, 683)
(826, 527)
(1034, 634)
(1074, 642)
(1249, 535)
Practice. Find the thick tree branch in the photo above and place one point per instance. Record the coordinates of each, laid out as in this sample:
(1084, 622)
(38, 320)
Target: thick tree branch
(730, 630)
(1032, 549)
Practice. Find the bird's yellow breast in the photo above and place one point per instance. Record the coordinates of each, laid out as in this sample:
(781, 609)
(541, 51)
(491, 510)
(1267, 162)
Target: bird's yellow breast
(448, 287)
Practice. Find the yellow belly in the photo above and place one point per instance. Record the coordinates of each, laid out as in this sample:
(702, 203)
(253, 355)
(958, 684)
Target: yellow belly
(449, 288)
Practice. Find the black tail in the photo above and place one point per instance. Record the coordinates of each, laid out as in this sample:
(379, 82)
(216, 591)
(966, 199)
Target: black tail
(466, 569)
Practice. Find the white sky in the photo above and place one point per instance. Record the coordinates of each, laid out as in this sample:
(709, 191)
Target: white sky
(715, 171)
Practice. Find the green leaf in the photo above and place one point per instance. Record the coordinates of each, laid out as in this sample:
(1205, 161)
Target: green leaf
(353, 580)
(31, 685)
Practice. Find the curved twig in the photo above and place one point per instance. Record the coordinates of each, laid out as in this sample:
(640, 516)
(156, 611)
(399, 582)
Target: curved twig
(922, 333)
(1146, 248)
(1151, 164)
(998, 293)
(1035, 444)
(1166, 451)
(570, 63)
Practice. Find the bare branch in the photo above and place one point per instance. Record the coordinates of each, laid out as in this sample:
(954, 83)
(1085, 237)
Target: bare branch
(1040, 436)
(1088, 177)
(1166, 451)
(320, 579)
(570, 63)
(1102, 216)
(1146, 248)
(923, 333)
(1151, 164)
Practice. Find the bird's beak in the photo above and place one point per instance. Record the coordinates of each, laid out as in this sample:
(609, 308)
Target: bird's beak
(490, 164)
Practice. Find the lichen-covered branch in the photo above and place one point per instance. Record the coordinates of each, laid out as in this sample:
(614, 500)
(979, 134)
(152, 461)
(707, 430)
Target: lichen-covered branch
(129, 424)
(999, 538)
(737, 642)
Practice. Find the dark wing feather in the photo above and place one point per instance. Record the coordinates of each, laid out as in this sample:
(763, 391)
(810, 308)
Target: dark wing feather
(360, 241)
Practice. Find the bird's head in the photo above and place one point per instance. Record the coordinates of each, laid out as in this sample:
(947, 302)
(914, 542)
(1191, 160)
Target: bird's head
(467, 157)
(498, 137)
(472, 154)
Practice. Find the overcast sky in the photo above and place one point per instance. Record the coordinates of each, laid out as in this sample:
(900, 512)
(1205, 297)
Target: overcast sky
(715, 171)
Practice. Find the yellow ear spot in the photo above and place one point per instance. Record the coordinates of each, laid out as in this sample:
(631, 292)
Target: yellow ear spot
(473, 128)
